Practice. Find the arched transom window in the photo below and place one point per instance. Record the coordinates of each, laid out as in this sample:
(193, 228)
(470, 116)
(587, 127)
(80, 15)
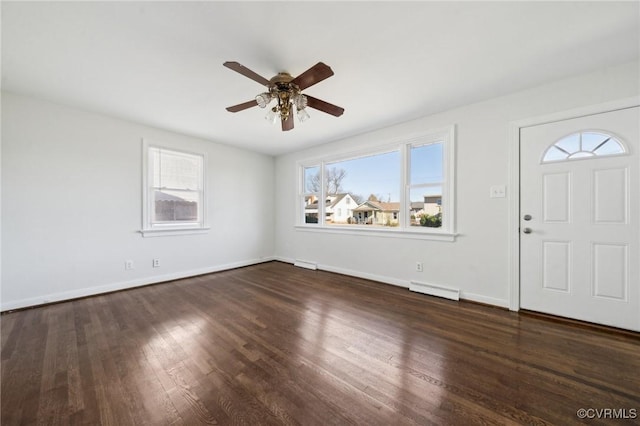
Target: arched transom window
(581, 145)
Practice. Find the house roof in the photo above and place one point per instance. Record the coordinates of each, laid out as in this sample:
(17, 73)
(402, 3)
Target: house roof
(378, 206)
(338, 198)
(418, 205)
(330, 203)
(163, 196)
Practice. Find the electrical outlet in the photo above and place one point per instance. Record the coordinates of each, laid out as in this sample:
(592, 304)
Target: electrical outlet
(156, 263)
(419, 266)
(128, 265)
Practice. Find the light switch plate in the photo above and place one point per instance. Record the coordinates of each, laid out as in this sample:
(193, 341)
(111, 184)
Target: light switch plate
(498, 191)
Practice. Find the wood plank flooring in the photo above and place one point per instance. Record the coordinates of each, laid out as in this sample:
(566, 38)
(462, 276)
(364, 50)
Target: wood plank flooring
(273, 344)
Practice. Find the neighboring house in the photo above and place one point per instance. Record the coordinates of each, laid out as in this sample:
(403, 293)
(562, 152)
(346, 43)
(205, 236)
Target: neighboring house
(377, 213)
(311, 209)
(171, 208)
(338, 208)
(431, 205)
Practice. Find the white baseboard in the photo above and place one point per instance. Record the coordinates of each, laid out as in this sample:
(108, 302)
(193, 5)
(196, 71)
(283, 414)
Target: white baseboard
(366, 276)
(400, 283)
(284, 259)
(435, 290)
(123, 285)
(503, 303)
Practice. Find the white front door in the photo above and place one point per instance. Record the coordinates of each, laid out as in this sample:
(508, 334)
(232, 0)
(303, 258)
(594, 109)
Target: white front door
(579, 218)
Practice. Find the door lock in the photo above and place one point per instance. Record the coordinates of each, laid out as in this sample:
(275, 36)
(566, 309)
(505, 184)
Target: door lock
(527, 217)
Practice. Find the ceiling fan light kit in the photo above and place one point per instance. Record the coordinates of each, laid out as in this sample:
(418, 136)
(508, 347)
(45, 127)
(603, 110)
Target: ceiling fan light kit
(287, 92)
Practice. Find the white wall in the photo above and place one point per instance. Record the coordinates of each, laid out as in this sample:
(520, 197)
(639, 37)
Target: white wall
(477, 262)
(71, 206)
(71, 201)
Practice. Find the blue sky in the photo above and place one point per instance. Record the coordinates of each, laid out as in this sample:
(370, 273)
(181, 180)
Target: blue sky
(381, 174)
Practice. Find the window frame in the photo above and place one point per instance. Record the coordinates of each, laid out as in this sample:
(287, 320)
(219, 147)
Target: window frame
(151, 229)
(402, 145)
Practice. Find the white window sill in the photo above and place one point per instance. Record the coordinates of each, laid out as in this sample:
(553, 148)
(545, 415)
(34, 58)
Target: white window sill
(377, 232)
(165, 232)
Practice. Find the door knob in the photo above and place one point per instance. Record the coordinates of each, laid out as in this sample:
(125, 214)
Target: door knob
(527, 230)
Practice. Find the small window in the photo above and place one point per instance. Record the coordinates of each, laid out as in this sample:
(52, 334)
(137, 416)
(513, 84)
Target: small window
(174, 190)
(583, 145)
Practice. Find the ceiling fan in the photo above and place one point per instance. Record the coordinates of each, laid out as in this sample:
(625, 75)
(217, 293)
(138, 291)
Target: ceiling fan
(287, 91)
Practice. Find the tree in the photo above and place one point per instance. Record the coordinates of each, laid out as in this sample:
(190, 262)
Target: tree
(313, 182)
(333, 178)
(432, 221)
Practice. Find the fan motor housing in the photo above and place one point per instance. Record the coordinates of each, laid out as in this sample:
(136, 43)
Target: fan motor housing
(282, 77)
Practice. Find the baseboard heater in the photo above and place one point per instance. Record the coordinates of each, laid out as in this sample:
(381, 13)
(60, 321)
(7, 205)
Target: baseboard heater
(305, 264)
(435, 290)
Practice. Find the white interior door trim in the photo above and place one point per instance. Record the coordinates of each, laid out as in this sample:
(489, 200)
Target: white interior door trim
(514, 179)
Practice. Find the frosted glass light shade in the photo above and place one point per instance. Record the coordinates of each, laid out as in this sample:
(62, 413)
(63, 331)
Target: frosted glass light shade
(263, 99)
(272, 116)
(301, 102)
(303, 115)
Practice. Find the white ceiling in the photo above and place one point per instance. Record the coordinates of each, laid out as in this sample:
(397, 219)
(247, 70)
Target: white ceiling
(160, 63)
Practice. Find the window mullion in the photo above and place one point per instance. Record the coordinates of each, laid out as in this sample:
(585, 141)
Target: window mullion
(405, 166)
(323, 195)
(448, 187)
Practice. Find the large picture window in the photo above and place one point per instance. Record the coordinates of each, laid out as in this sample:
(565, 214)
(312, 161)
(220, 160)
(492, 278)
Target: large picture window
(404, 187)
(174, 189)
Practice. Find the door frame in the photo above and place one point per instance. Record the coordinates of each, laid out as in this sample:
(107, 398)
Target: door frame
(514, 178)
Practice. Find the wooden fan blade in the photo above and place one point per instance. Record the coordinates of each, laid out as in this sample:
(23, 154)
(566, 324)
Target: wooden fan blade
(242, 106)
(323, 106)
(246, 72)
(313, 75)
(288, 123)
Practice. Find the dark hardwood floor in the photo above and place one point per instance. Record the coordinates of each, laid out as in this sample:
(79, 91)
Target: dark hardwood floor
(275, 344)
